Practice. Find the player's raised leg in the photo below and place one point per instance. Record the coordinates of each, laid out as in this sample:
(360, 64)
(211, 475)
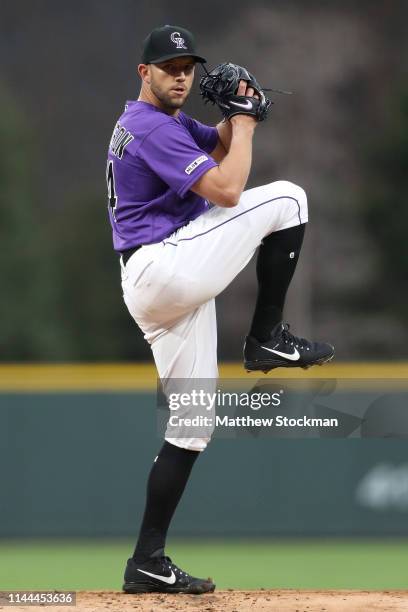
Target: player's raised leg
(270, 344)
(215, 247)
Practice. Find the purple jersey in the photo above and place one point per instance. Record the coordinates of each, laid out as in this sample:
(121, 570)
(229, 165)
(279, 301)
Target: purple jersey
(153, 161)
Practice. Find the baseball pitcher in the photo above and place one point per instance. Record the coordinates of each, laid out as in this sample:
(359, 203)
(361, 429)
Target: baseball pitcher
(184, 226)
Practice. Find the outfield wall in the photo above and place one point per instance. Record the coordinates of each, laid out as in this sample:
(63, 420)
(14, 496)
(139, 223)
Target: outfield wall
(74, 462)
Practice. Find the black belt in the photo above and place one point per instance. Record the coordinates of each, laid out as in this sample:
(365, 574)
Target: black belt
(126, 255)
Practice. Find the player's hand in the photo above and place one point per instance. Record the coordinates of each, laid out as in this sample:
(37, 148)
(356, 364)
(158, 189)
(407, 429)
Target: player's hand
(248, 120)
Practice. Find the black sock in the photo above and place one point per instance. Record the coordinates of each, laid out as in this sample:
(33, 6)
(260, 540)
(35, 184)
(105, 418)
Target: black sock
(276, 263)
(167, 480)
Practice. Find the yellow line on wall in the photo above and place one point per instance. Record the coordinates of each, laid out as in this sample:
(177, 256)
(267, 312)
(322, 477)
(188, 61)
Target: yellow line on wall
(142, 376)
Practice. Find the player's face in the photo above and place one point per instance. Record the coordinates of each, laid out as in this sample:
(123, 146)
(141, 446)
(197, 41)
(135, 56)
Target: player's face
(171, 81)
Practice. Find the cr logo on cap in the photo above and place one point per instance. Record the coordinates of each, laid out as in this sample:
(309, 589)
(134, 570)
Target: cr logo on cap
(176, 38)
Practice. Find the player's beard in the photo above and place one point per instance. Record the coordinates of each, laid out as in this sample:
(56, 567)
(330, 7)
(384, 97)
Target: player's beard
(169, 102)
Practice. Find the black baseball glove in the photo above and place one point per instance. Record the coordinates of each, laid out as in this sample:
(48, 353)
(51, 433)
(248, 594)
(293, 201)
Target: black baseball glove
(220, 87)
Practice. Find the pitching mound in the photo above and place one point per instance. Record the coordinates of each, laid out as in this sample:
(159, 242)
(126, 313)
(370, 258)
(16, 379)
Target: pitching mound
(240, 601)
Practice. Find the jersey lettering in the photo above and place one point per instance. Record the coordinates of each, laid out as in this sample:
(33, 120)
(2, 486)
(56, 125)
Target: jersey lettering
(119, 141)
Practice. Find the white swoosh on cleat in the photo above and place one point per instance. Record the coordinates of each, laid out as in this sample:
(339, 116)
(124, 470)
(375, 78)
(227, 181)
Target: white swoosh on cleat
(247, 105)
(291, 356)
(167, 579)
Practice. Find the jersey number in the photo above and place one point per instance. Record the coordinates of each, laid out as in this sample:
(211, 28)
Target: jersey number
(112, 197)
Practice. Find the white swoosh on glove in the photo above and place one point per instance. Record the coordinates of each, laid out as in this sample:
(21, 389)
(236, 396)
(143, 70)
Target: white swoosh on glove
(248, 104)
(168, 579)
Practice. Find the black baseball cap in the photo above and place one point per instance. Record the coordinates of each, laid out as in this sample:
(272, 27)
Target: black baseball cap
(168, 42)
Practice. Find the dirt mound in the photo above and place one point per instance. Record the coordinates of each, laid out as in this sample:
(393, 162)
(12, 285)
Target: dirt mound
(240, 601)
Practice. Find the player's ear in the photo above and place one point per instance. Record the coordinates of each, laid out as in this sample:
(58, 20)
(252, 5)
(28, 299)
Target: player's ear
(144, 72)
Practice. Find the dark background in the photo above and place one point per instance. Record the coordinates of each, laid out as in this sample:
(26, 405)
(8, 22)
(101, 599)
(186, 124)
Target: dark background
(66, 71)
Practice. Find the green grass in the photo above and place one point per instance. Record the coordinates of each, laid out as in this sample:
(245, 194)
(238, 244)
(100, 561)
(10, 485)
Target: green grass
(240, 564)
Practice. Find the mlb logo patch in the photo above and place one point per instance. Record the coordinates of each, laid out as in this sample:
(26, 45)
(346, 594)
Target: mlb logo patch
(195, 163)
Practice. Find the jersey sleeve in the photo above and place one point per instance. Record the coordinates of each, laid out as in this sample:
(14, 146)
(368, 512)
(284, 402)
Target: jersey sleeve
(172, 153)
(205, 136)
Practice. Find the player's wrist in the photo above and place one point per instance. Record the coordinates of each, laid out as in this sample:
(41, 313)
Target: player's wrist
(243, 123)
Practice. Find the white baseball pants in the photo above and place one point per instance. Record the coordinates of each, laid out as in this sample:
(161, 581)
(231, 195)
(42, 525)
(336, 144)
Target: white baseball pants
(169, 287)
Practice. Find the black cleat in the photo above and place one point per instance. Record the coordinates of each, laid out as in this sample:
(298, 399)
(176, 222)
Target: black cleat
(160, 575)
(284, 350)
